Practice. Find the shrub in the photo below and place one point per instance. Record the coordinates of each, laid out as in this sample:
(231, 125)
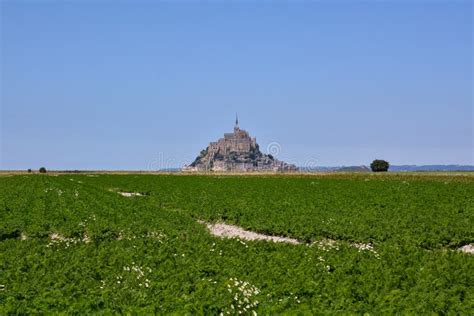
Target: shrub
(42, 170)
(379, 165)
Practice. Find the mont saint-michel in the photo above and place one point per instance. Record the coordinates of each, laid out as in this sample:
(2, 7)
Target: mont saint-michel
(237, 151)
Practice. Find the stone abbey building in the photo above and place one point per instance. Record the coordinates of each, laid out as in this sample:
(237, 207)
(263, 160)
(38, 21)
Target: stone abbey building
(237, 152)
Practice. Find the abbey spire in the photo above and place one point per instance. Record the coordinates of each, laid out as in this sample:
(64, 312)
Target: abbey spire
(236, 127)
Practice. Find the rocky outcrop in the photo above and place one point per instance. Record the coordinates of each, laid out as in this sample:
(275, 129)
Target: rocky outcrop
(236, 152)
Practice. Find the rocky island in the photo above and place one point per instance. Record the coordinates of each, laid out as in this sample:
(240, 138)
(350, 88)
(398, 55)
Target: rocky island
(236, 152)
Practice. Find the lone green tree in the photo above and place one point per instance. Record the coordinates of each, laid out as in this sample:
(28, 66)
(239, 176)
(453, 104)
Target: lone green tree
(42, 170)
(379, 165)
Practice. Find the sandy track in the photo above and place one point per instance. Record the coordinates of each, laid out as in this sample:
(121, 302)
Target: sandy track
(232, 231)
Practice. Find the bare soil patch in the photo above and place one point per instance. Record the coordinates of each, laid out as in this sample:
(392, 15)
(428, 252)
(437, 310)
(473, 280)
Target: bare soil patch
(232, 231)
(467, 249)
(130, 194)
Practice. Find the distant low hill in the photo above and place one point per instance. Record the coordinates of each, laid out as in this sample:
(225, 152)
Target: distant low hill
(395, 168)
(432, 168)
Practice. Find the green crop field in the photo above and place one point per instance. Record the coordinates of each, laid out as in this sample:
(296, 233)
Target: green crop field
(370, 243)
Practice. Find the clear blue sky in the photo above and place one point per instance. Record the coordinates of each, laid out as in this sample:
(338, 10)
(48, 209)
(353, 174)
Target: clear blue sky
(147, 84)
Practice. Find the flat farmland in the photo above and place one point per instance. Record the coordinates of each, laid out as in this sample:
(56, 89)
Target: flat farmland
(137, 243)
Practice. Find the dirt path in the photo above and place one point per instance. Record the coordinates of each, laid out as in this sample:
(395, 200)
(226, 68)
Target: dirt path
(231, 231)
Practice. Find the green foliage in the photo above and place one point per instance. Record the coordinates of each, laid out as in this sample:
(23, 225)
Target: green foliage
(204, 152)
(379, 165)
(255, 152)
(198, 159)
(73, 244)
(42, 170)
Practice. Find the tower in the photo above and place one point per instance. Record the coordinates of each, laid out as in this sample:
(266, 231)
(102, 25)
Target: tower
(236, 127)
